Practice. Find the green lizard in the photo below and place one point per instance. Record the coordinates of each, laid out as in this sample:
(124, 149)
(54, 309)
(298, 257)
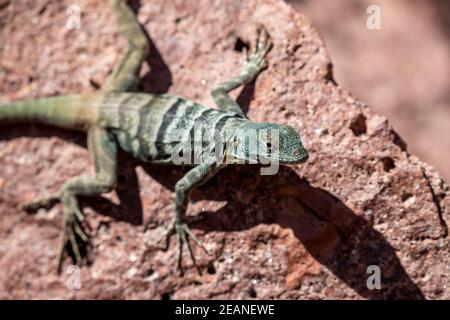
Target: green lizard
(150, 127)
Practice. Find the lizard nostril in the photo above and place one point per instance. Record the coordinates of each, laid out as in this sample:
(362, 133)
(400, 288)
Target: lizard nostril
(296, 153)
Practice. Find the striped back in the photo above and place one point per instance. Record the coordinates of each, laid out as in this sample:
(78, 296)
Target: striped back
(150, 126)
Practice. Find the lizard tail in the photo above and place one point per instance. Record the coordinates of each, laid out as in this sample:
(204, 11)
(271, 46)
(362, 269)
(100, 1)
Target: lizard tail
(71, 112)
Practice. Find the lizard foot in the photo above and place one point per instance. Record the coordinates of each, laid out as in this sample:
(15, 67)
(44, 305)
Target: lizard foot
(73, 233)
(256, 60)
(183, 233)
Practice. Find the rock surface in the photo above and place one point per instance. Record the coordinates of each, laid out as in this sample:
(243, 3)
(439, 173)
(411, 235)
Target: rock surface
(309, 232)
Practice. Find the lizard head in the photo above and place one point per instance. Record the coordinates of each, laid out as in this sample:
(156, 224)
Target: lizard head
(267, 142)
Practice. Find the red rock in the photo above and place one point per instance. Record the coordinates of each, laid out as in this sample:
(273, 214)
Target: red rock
(390, 70)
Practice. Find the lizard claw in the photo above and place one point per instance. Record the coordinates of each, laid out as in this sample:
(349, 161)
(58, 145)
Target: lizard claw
(73, 233)
(183, 233)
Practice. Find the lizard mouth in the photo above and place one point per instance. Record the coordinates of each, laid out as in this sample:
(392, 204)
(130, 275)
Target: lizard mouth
(297, 159)
(300, 156)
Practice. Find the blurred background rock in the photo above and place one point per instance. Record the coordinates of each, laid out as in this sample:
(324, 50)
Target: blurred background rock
(401, 71)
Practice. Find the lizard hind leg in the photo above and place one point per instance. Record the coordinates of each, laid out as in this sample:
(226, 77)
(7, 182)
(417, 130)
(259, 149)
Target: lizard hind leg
(73, 233)
(125, 76)
(73, 217)
(103, 149)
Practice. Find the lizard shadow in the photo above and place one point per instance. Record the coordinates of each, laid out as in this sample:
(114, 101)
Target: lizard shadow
(338, 238)
(332, 233)
(245, 96)
(158, 80)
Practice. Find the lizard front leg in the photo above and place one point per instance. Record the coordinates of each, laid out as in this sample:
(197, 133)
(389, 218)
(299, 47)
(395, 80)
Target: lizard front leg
(125, 76)
(253, 65)
(183, 188)
(103, 149)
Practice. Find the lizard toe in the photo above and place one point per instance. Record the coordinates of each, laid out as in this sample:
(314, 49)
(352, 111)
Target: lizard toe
(46, 202)
(74, 238)
(184, 233)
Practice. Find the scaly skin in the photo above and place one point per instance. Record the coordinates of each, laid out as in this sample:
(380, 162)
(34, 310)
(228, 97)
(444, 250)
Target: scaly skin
(150, 127)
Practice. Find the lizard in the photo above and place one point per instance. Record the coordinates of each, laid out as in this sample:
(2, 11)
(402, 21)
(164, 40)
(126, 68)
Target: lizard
(149, 126)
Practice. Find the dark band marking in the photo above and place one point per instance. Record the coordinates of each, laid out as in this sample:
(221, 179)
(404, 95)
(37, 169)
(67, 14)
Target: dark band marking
(198, 123)
(143, 114)
(123, 110)
(184, 120)
(221, 123)
(203, 116)
(166, 121)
